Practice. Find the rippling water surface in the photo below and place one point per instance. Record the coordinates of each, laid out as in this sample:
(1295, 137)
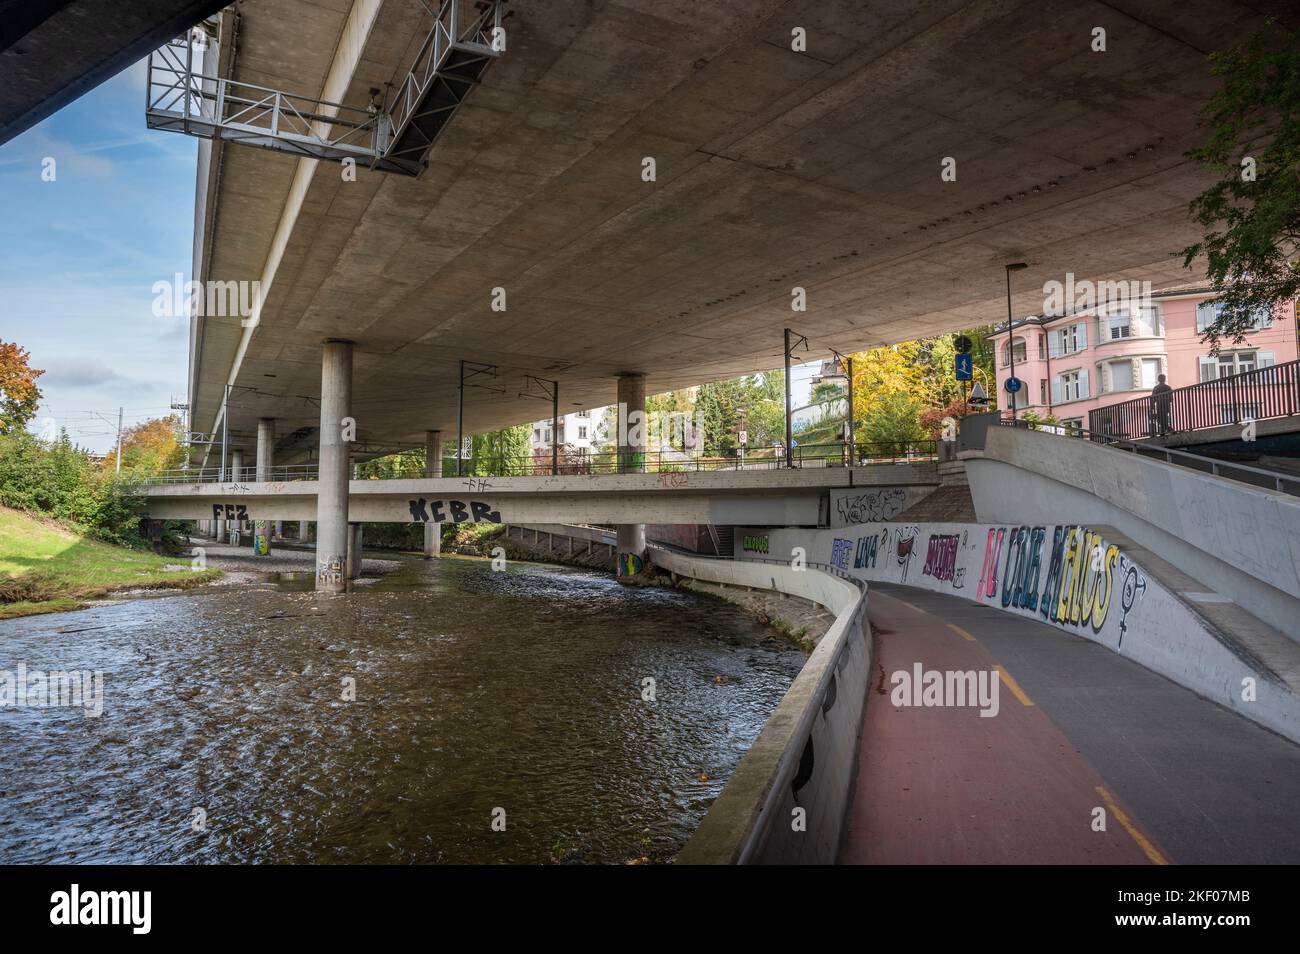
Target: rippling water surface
(476, 690)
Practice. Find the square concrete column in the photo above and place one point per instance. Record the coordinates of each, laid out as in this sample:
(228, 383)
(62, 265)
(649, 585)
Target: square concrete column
(302, 531)
(432, 468)
(631, 458)
(265, 450)
(335, 466)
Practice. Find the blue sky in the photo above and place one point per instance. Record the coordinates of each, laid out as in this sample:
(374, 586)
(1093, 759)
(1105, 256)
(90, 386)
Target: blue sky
(83, 252)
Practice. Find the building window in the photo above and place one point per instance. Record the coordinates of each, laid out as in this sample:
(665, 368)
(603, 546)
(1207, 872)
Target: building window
(1208, 312)
(584, 414)
(1042, 391)
(1070, 386)
(548, 435)
(1042, 347)
(582, 433)
(1021, 353)
(1119, 327)
(1070, 339)
(537, 435)
(1121, 375)
(1235, 362)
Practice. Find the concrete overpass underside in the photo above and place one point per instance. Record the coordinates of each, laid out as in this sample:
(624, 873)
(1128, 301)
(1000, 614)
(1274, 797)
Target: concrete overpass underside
(774, 169)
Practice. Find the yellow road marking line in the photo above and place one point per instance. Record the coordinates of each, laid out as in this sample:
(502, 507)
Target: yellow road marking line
(962, 633)
(1150, 850)
(1014, 687)
(914, 609)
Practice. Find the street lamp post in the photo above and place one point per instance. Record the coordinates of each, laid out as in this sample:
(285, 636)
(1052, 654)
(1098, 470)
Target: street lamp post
(1011, 341)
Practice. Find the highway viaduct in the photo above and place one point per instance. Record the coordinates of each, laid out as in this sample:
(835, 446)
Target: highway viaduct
(632, 197)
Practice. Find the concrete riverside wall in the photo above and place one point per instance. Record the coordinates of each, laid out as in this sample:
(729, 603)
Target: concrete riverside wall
(1242, 542)
(805, 756)
(1067, 576)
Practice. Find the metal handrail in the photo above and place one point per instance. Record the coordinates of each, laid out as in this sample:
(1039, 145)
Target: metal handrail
(1266, 393)
(634, 462)
(1269, 479)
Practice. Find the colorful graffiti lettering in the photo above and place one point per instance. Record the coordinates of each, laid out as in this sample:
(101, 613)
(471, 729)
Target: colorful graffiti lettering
(630, 564)
(1023, 568)
(755, 544)
(868, 549)
(941, 556)
(989, 571)
(1078, 588)
(840, 550)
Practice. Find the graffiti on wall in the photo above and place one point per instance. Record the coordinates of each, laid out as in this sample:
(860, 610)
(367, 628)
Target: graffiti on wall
(840, 551)
(1023, 567)
(630, 564)
(869, 549)
(757, 543)
(1132, 589)
(904, 547)
(229, 512)
(872, 506)
(425, 511)
(941, 556)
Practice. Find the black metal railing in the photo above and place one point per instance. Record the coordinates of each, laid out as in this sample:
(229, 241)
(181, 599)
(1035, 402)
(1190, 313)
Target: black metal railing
(633, 462)
(1255, 395)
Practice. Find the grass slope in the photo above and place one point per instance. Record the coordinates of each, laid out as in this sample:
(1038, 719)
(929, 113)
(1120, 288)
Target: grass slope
(45, 568)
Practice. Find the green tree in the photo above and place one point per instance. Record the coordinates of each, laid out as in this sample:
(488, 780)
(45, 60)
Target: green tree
(893, 419)
(1252, 213)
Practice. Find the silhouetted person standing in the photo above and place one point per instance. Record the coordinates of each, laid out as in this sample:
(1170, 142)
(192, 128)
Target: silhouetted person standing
(1162, 401)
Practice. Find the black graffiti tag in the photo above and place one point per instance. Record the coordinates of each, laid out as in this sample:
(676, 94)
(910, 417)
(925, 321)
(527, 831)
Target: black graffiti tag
(229, 512)
(476, 511)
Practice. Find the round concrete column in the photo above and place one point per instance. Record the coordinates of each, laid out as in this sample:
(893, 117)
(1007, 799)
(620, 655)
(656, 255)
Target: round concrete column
(302, 531)
(265, 450)
(354, 550)
(432, 468)
(335, 465)
(631, 459)
(237, 475)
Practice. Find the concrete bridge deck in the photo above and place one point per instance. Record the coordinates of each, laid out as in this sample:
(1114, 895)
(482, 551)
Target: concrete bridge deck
(785, 497)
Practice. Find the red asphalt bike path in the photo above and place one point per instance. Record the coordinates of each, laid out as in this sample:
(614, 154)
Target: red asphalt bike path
(944, 785)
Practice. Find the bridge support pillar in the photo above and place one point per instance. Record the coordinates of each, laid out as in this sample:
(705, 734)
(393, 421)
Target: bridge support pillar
(302, 531)
(432, 468)
(631, 459)
(265, 449)
(354, 550)
(236, 476)
(335, 467)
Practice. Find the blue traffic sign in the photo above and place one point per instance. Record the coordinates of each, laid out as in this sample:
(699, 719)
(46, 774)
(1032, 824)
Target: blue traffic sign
(963, 367)
(1013, 385)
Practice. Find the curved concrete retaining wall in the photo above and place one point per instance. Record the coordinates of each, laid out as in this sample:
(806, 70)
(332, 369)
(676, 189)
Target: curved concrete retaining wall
(786, 801)
(1241, 541)
(1067, 576)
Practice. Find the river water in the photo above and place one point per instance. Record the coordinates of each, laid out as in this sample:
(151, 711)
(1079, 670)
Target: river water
(514, 695)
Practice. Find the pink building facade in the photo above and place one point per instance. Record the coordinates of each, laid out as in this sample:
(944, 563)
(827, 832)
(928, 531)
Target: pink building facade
(1073, 364)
